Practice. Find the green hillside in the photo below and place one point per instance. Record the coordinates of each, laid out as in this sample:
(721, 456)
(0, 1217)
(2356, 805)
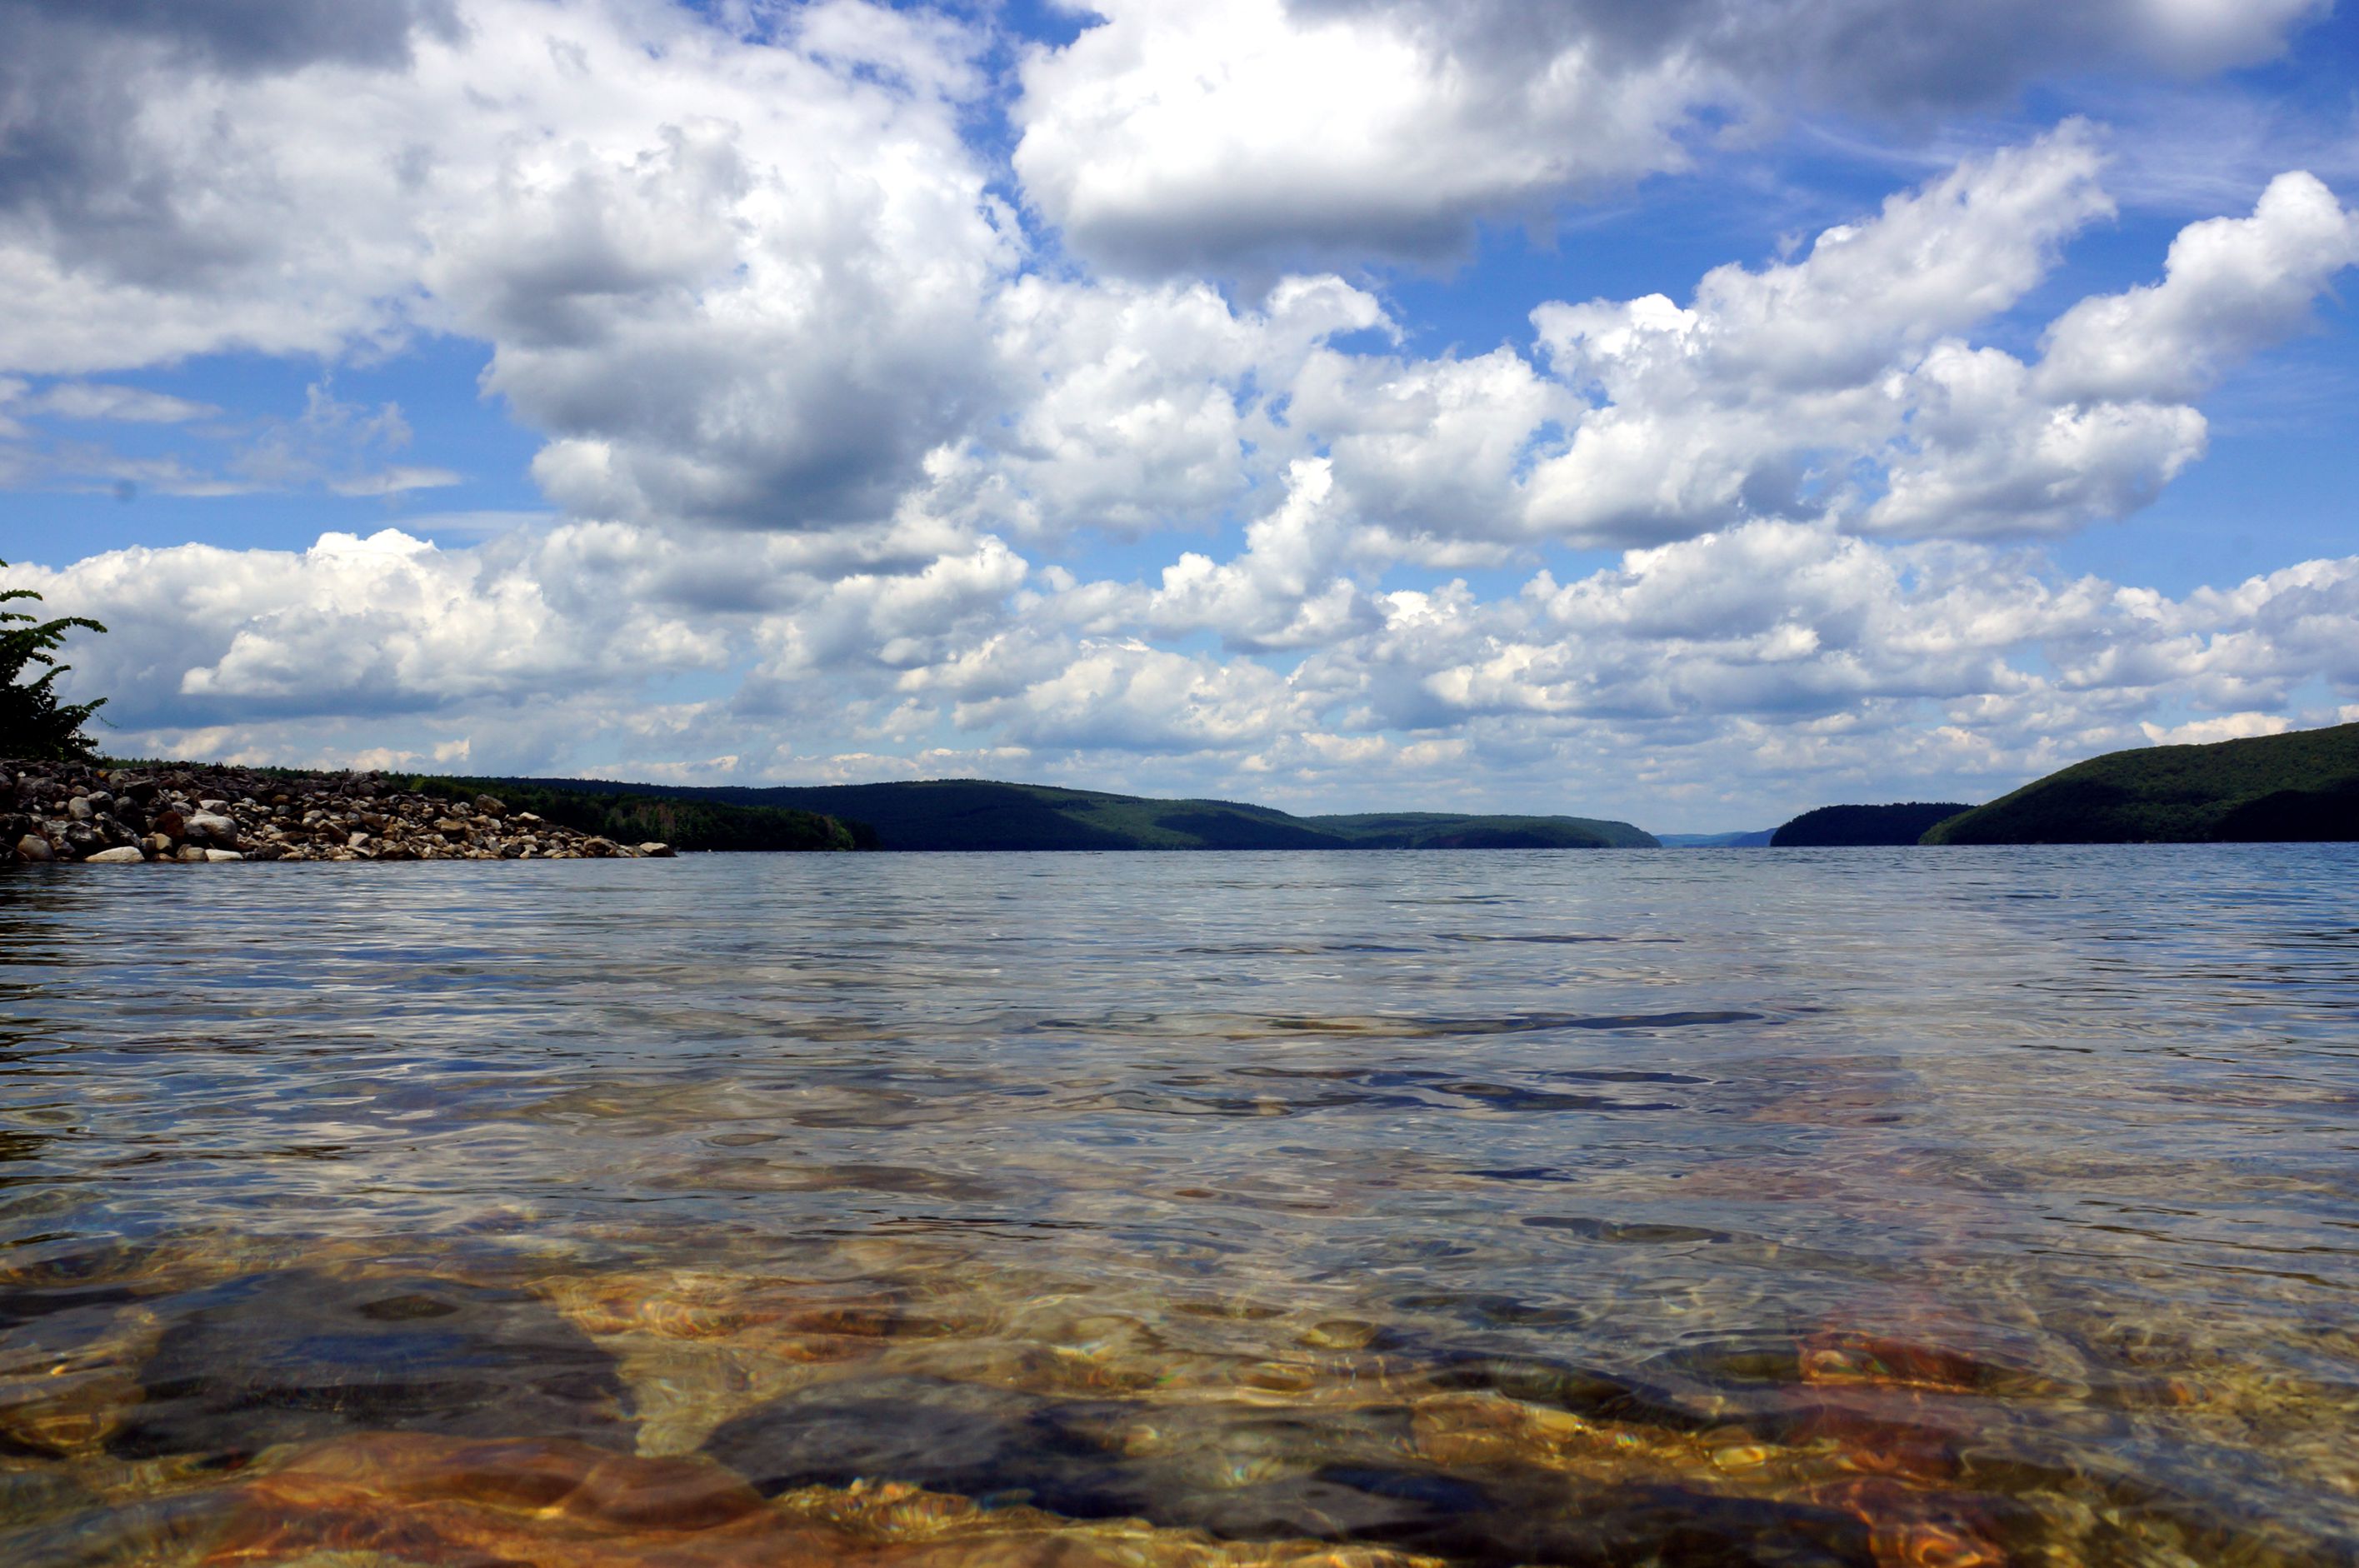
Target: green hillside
(2301, 786)
(970, 815)
(627, 814)
(1832, 827)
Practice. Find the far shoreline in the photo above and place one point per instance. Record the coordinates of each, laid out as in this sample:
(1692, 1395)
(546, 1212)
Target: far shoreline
(93, 814)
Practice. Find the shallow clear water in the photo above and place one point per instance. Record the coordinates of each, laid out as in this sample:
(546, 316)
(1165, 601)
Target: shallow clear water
(1955, 1207)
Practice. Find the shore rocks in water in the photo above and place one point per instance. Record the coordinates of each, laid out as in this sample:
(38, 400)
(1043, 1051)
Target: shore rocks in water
(74, 811)
(296, 1357)
(1252, 1473)
(1241, 1472)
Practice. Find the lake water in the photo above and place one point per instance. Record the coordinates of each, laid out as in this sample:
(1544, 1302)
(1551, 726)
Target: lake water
(1852, 1207)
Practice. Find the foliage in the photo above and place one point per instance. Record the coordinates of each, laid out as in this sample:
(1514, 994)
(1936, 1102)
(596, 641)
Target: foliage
(34, 725)
(2303, 786)
(1848, 826)
(980, 814)
(636, 818)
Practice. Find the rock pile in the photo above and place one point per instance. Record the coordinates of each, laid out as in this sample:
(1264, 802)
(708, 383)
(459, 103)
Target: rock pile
(69, 812)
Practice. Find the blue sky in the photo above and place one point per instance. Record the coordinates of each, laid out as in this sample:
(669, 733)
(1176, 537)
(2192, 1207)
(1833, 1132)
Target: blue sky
(1690, 412)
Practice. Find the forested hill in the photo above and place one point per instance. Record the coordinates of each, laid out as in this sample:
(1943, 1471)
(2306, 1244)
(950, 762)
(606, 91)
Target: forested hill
(2301, 786)
(1852, 826)
(965, 814)
(629, 814)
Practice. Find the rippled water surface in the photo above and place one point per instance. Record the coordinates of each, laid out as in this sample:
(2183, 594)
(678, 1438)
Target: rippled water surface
(1942, 1208)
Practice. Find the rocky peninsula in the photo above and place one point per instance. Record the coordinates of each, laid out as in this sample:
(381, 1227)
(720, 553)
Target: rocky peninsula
(134, 814)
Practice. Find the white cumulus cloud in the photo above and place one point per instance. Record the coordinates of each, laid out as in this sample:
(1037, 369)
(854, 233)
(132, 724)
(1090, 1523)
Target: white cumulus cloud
(1252, 135)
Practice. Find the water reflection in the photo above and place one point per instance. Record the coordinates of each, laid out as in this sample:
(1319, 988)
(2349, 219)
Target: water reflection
(1964, 1209)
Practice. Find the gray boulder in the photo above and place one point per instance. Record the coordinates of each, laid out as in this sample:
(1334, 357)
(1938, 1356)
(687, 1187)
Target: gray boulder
(212, 828)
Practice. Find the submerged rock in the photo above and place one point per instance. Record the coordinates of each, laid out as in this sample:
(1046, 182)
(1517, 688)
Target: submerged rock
(1356, 1475)
(1237, 1471)
(296, 1357)
(388, 1498)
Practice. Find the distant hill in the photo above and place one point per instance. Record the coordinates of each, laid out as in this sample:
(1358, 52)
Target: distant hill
(1832, 827)
(1755, 839)
(970, 813)
(2302, 787)
(629, 814)
(1436, 830)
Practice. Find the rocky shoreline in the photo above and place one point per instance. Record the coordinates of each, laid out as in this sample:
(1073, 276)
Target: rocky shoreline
(65, 811)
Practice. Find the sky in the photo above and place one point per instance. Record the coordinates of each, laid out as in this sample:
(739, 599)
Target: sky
(1688, 412)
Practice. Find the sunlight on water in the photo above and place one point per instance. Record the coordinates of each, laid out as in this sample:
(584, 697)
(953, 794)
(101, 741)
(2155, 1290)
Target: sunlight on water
(1939, 1208)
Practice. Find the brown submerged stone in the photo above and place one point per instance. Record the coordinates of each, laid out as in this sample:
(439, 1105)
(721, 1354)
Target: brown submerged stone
(1851, 1357)
(438, 1501)
(297, 1356)
(68, 1378)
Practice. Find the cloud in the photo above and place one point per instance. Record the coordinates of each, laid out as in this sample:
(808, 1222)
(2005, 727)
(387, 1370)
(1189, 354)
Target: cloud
(2227, 726)
(850, 471)
(152, 204)
(1288, 591)
(1128, 696)
(1135, 408)
(396, 481)
(1773, 382)
(1200, 135)
(1256, 135)
(756, 279)
(734, 282)
(1789, 656)
(2230, 288)
(1895, 55)
(99, 400)
(1843, 384)
(333, 446)
(356, 627)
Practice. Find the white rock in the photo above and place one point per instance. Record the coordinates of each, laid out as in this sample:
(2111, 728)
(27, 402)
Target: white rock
(223, 854)
(212, 825)
(123, 856)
